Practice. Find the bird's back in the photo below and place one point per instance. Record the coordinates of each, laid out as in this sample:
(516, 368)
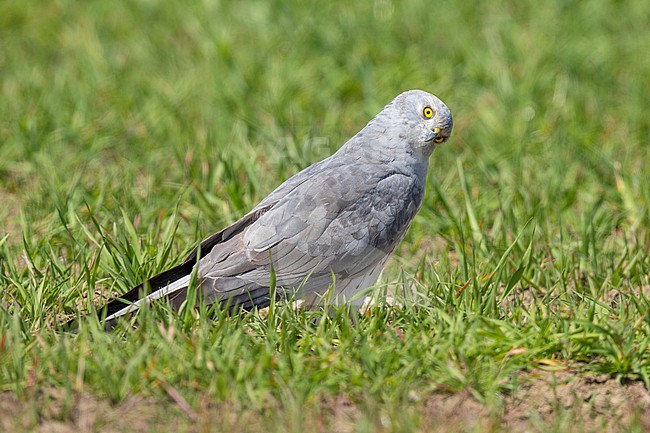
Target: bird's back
(334, 222)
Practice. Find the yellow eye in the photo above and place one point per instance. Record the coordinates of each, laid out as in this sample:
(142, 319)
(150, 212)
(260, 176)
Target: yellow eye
(439, 139)
(427, 112)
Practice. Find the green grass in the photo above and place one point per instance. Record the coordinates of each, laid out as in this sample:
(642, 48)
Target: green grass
(130, 130)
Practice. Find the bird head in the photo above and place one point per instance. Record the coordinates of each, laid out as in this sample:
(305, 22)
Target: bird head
(425, 120)
(405, 131)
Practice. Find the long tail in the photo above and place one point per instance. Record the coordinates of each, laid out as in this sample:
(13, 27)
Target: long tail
(159, 286)
(169, 284)
(167, 291)
(172, 283)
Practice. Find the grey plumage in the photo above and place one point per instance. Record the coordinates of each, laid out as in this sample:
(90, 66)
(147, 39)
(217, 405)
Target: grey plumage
(339, 218)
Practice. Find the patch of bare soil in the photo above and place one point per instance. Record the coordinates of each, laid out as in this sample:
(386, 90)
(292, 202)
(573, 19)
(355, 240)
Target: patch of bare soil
(53, 412)
(9, 213)
(559, 401)
(548, 401)
(457, 412)
(593, 402)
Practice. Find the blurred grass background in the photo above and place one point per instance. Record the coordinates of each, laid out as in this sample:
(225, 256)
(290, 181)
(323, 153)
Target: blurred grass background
(129, 130)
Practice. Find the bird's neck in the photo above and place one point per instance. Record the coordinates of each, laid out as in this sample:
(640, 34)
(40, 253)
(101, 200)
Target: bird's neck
(391, 153)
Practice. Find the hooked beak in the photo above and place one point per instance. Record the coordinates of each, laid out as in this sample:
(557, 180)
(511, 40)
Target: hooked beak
(435, 132)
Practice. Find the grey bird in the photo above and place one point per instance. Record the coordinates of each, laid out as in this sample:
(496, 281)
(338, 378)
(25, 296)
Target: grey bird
(328, 229)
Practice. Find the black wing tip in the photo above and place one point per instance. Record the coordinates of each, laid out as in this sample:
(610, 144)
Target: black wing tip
(169, 276)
